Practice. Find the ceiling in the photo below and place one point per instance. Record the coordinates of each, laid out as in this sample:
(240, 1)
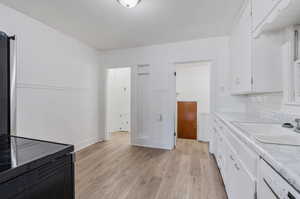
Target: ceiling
(104, 24)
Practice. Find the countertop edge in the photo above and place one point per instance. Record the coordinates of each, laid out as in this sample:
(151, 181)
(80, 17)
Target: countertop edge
(287, 174)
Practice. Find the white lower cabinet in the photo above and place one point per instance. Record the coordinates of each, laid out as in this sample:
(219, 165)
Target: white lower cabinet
(241, 184)
(272, 185)
(231, 181)
(239, 181)
(245, 185)
(245, 174)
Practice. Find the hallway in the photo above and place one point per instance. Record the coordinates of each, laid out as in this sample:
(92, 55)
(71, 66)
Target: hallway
(116, 170)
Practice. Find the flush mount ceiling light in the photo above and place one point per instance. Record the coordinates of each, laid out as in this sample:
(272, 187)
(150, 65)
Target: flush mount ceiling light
(129, 3)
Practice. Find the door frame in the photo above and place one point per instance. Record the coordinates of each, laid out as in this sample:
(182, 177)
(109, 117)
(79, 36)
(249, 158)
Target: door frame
(107, 135)
(212, 90)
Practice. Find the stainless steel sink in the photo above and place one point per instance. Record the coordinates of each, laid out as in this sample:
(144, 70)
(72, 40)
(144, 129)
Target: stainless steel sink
(270, 133)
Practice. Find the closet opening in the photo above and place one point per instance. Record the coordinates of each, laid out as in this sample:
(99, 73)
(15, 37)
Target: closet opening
(118, 104)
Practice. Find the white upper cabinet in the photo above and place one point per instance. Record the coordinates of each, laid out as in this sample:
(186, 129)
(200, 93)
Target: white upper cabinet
(267, 63)
(269, 15)
(255, 62)
(240, 45)
(261, 9)
(291, 62)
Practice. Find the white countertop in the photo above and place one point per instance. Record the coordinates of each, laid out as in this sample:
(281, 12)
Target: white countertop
(284, 159)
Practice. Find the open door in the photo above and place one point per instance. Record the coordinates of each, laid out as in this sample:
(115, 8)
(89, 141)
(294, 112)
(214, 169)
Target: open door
(151, 115)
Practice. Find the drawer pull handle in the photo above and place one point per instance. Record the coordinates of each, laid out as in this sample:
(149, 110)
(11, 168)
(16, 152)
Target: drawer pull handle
(236, 166)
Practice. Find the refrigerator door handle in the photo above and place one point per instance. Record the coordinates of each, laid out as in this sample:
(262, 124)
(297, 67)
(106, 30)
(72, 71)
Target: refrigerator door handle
(13, 92)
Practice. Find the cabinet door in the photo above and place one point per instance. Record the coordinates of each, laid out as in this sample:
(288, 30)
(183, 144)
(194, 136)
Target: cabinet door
(245, 184)
(234, 51)
(213, 141)
(239, 183)
(221, 155)
(245, 51)
(241, 54)
(232, 178)
(266, 63)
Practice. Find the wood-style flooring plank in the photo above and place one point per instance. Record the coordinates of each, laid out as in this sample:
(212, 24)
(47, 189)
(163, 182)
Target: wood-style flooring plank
(116, 170)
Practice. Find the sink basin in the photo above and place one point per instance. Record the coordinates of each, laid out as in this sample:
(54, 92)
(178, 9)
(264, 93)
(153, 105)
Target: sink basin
(270, 133)
(292, 140)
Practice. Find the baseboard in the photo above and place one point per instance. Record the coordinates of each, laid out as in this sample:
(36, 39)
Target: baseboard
(153, 147)
(202, 140)
(87, 143)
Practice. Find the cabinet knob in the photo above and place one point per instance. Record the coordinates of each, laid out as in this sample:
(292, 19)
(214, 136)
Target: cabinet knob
(231, 157)
(236, 166)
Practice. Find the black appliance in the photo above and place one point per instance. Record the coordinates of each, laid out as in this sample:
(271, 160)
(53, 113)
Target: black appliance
(5, 100)
(7, 86)
(29, 168)
(4, 83)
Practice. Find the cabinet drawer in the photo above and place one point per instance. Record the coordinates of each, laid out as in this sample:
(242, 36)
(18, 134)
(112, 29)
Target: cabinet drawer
(248, 157)
(239, 183)
(271, 184)
(13, 188)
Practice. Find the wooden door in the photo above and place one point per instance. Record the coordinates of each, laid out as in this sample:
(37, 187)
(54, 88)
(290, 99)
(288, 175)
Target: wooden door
(187, 120)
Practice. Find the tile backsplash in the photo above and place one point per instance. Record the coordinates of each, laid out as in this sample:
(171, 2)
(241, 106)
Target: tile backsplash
(270, 106)
(264, 102)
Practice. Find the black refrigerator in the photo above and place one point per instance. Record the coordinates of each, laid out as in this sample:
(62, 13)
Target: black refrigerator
(29, 168)
(5, 84)
(5, 101)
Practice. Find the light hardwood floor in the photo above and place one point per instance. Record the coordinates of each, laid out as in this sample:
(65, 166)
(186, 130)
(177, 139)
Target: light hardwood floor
(116, 170)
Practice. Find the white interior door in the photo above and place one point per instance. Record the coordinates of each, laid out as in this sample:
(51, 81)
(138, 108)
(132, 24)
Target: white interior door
(151, 116)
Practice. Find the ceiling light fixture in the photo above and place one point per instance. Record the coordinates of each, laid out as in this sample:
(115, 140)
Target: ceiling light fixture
(129, 3)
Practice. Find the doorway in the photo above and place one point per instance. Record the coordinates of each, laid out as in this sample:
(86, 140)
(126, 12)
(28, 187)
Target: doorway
(192, 99)
(118, 104)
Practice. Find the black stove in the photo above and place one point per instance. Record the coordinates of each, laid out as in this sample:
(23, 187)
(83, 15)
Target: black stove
(5, 153)
(17, 154)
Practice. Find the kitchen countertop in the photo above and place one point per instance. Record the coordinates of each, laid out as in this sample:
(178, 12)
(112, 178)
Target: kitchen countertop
(284, 159)
(19, 155)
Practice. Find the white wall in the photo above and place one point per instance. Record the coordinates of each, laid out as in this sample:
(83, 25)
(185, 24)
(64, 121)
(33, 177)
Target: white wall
(193, 84)
(58, 83)
(163, 58)
(118, 99)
